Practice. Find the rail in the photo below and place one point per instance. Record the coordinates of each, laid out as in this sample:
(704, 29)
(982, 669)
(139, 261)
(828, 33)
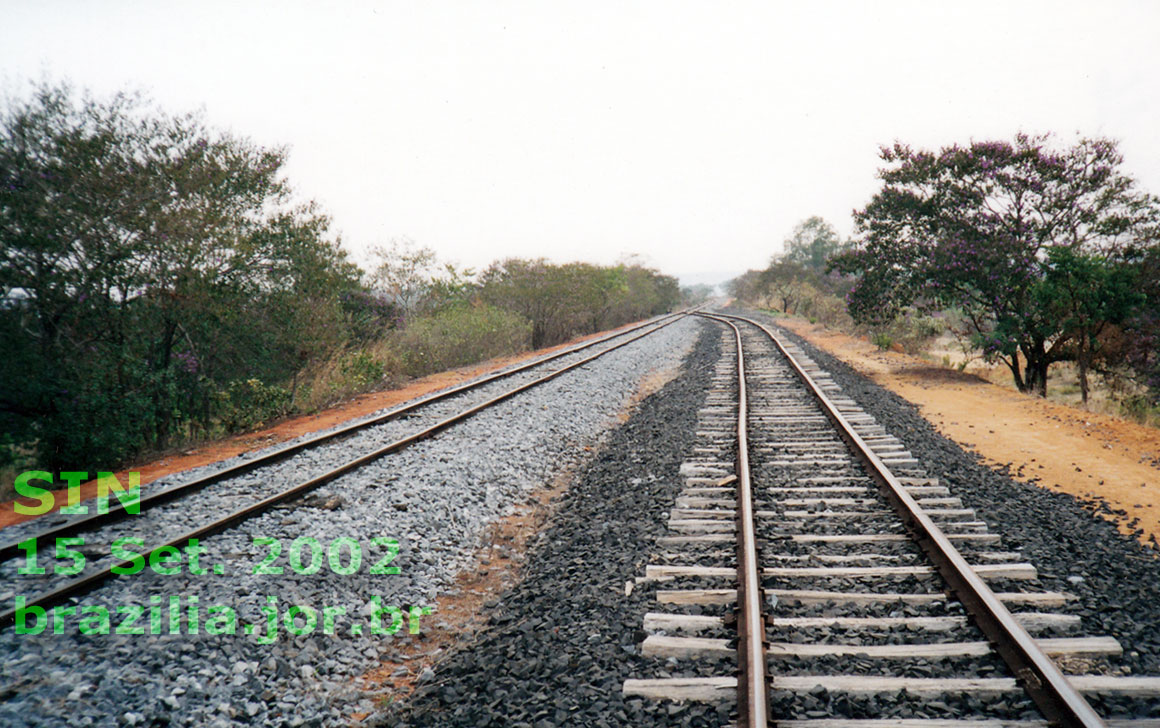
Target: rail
(117, 511)
(752, 700)
(90, 581)
(1060, 703)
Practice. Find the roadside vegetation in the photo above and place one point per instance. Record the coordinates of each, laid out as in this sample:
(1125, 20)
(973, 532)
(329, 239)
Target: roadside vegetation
(1036, 257)
(796, 280)
(160, 285)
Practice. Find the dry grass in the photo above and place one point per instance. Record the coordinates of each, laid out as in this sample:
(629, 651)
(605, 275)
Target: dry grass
(347, 373)
(1062, 382)
(433, 343)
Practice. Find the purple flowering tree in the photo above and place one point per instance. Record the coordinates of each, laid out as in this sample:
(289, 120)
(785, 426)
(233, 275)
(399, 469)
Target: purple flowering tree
(971, 228)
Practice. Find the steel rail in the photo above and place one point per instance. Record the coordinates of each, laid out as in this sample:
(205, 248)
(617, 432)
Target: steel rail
(752, 699)
(88, 582)
(117, 512)
(1060, 703)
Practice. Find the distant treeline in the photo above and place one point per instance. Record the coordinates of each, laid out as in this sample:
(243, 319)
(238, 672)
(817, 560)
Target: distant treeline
(796, 281)
(159, 285)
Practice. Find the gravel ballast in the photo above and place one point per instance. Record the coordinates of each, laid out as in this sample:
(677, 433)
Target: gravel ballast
(560, 644)
(437, 499)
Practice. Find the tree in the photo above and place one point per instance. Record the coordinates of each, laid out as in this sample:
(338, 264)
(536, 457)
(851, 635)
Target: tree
(413, 278)
(575, 298)
(812, 242)
(155, 261)
(787, 283)
(404, 273)
(648, 293)
(697, 293)
(533, 289)
(1083, 295)
(1141, 332)
(796, 280)
(746, 287)
(972, 228)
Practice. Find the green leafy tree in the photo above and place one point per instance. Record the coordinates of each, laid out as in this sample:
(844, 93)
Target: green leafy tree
(1083, 295)
(151, 261)
(533, 289)
(972, 228)
(812, 242)
(796, 280)
(1141, 332)
(565, 300)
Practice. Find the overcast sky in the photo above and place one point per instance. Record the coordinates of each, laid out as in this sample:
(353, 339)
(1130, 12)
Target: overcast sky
(694, 134)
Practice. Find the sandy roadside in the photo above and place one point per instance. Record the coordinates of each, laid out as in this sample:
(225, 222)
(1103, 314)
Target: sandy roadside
(1088, 455)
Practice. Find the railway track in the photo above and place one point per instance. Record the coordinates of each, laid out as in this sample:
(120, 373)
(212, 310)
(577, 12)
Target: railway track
(172, 517)
(816, 574)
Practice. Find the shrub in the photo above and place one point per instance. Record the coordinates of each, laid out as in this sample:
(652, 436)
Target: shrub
(882, 340)
(913, 332)
(831, 312)
(360, 370)
(369, 316)
(249, 402)
(460, 336)
(345, 374)
(1139, 407)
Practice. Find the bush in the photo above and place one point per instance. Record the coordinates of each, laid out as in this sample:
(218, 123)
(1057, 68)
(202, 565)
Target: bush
(562, 301)
(460, 336)
(361, 370)
(913, 332)
(1139, 407)
(368, 315)
(246, 403)
(96, 421)
(831, 312)
(882, 340)
(346, 373)
(918, 331)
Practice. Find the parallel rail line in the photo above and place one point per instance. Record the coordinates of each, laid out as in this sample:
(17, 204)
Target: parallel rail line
(117, 511)
(96, 577)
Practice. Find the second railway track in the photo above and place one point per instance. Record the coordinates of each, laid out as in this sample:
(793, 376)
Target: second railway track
(873, 596)
(171, 516)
